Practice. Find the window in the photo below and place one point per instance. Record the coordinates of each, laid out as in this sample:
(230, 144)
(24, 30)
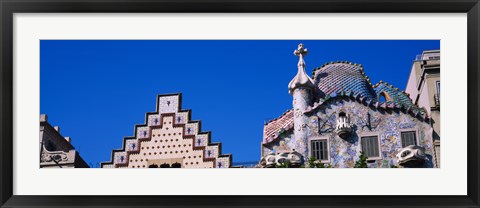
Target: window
(320, 149)
(370, 146)
(438, 88)
(165, 165)
(383, 97)
(409, 138)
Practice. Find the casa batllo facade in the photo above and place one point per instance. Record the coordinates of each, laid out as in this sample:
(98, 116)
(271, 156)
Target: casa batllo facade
(337, 114)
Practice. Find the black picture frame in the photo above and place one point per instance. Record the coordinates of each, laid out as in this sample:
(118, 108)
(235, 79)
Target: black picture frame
(9, 7)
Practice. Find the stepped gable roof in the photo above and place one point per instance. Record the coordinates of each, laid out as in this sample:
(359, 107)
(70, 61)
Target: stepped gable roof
(275, 127)
(169, 105)
(400, 99)
(343, 76)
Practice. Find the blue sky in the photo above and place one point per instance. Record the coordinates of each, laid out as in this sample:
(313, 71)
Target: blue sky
(97, 90)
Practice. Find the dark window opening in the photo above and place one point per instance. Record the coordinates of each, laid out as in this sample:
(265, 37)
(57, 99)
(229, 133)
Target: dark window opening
(176, 165)
(320, 149)
(165, 165)
(409, 138)
(370, 146)
(383, 97)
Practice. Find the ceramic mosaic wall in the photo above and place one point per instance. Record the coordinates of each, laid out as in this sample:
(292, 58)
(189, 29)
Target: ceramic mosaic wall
(169, 137)
(387, 125)
(301, 101)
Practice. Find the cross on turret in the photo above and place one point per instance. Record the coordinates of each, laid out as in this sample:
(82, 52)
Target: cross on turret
(301, 52)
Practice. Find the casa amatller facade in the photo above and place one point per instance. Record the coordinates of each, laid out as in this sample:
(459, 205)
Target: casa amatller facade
(169, 139)
(338, 113)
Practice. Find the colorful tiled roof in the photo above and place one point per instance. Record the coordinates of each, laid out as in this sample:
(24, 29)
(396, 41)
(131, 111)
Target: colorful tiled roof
(275, 127)
(398, 98)
(335, 77)
(336, 80)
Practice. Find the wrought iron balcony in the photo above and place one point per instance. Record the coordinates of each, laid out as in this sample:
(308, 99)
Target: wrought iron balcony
(343, 128)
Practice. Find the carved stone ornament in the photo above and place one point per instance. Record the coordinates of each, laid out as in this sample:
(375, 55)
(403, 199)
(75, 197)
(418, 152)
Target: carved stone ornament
(56, 156)
(294, 158)
(301, 80)
(411, 156)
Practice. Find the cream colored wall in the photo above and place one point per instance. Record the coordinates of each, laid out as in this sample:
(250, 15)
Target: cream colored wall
(432, 86)
(412, 81)
(424, 99)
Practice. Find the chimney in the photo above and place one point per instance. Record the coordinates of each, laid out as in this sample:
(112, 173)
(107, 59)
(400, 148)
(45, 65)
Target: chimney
(69, 140)
(57, 129)
(43, 117)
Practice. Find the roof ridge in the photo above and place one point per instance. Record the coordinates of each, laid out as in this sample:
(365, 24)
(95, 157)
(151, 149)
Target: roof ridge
(391, 86)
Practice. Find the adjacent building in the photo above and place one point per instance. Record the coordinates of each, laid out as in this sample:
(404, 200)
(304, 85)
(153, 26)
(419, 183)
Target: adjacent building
(337, 114)
(169, 139)
(423, 87)
(57, 151)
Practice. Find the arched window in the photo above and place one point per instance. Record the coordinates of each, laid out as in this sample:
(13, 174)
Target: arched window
(164, 165)
(342, 114)
(383, 97)
(153, 166)
(176, 165)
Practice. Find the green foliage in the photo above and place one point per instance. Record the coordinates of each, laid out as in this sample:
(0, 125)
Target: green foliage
(361, 162)
(322, 165)
(312, 163)
(283, 165)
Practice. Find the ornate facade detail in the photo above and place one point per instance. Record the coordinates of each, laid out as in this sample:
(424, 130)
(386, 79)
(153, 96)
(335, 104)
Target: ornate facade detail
(56, 151)
(57, 156)
(411, 156)
(343, 128)
(371, 125)
(301, 80)
(169, 138)
(293, 158)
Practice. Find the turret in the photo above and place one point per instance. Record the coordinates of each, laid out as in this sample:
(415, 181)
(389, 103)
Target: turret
(301, 88)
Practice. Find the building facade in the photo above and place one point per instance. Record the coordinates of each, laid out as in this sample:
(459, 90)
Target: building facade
(423, 87)
(57, 151)
(337, 114)
(169, 139)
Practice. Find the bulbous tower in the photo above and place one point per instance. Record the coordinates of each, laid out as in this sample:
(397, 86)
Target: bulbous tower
(301, 88)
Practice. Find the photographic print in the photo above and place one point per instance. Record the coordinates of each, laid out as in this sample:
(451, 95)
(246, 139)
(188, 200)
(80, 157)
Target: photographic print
(239, 104)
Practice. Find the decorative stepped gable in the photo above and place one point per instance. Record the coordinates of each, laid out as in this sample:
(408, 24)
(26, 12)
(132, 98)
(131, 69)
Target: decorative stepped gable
(343, 79)
(169, 138)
